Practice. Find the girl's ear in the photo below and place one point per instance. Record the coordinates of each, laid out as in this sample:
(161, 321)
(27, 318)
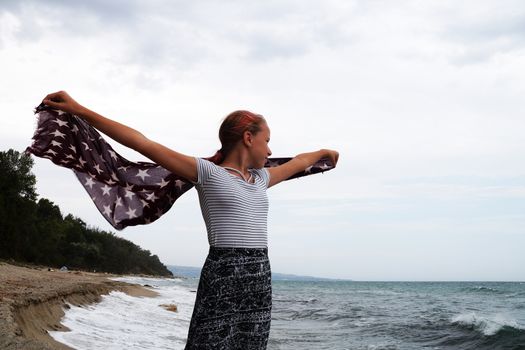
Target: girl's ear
(247, 138)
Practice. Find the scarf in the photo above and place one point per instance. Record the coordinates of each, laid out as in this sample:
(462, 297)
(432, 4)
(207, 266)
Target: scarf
(126, 193)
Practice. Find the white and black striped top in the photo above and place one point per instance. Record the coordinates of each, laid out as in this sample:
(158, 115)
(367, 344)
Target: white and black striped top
(235, 211)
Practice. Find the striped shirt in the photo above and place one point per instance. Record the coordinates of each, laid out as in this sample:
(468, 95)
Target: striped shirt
(235, 211)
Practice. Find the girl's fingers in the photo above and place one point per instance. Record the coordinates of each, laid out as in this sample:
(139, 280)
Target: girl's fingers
(62, 101)
(57, 99)
(50, 103)
(59, 96)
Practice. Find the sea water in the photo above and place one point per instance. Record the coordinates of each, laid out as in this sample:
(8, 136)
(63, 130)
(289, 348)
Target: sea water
(320, 315)
(121, 321)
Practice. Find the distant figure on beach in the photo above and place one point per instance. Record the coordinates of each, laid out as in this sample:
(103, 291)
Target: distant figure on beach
(234, 297)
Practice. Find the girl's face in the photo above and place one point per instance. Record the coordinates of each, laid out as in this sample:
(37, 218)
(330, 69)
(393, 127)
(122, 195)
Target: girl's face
(260, 150)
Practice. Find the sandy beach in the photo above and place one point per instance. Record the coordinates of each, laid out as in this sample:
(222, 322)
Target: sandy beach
(33, 299)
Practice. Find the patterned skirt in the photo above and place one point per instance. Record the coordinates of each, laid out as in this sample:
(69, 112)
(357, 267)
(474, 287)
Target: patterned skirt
(234, 301)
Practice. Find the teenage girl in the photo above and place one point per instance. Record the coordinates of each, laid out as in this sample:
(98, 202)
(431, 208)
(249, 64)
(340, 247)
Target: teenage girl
(234, 298)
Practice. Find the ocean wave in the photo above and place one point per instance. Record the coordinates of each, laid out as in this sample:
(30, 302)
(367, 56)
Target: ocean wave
(483, 289)
(294, 301)
(121, 321)
(487, 325)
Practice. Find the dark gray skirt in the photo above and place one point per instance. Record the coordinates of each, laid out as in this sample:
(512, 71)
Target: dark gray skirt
(234, 301)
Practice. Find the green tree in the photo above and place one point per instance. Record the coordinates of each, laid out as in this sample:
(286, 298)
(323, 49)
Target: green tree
(17, 203)
(16, 178)
(36, 232)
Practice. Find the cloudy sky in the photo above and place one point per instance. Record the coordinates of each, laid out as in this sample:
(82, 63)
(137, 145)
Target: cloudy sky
(423, 100)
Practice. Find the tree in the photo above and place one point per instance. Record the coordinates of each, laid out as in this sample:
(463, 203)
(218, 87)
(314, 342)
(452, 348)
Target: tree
(36, 232)
(17, 202)
(16, 178)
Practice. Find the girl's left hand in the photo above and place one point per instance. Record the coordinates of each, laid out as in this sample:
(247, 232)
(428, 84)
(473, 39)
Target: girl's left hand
(332, 155)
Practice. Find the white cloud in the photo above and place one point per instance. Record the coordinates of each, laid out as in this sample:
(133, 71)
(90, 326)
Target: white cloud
(406, 92)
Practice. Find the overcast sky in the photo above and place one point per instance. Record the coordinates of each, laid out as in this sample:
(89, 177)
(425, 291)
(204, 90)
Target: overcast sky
(424, 100)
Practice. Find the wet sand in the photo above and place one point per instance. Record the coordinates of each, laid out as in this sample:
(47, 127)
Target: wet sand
(33, 299)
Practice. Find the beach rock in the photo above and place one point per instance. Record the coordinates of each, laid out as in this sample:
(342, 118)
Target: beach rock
(169, 307)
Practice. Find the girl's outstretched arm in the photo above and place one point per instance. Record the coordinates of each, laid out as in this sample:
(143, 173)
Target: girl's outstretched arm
(178, 163)
(299, 163)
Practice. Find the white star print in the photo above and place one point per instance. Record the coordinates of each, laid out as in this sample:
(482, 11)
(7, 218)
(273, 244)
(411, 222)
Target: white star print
(51, 151)
(324, 166)
(110, 182)
(89, 182)
(118, 202)
(97, 168)
(114, 176)
(131, 213)
(87, 146)
(129, 194)
(152, 197)
(82, 161)
(75, 129)
(162, 183)
(144, 203)
(70, 156)
(105, 189)
(58, 134)
(59, 122)
(107, 210)
(123, 168)
(129, 187)
(56, 143)
(142, 174)
(112, 154)
(73, 148)
(179, 183)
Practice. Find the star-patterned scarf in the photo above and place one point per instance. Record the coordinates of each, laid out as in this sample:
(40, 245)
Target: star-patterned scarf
(126, 193)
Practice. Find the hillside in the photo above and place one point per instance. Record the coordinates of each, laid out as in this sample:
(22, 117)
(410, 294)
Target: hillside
(35, 231)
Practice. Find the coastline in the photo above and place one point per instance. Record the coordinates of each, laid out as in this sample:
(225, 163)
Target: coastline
(33, 299)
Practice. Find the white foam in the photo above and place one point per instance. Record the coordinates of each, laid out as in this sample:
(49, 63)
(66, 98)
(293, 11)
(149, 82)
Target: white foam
(120, 321)
(488, 325)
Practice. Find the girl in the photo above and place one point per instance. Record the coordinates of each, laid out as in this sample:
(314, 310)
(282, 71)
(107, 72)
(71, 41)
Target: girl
(234, 297)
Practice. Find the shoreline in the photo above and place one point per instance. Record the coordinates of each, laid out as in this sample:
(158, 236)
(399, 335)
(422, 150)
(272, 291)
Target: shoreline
(33, 300)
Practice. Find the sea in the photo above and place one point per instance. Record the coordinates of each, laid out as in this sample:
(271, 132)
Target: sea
(319, 315)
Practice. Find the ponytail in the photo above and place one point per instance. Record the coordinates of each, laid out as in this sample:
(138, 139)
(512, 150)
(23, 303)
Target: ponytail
(217, 158)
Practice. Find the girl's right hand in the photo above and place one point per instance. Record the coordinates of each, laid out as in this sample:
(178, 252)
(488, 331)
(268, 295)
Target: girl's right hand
(62, 101)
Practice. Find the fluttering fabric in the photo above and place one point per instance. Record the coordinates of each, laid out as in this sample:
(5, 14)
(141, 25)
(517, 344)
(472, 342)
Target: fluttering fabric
(126, 193)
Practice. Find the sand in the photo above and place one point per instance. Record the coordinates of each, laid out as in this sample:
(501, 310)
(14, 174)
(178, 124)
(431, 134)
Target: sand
(33, 299)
